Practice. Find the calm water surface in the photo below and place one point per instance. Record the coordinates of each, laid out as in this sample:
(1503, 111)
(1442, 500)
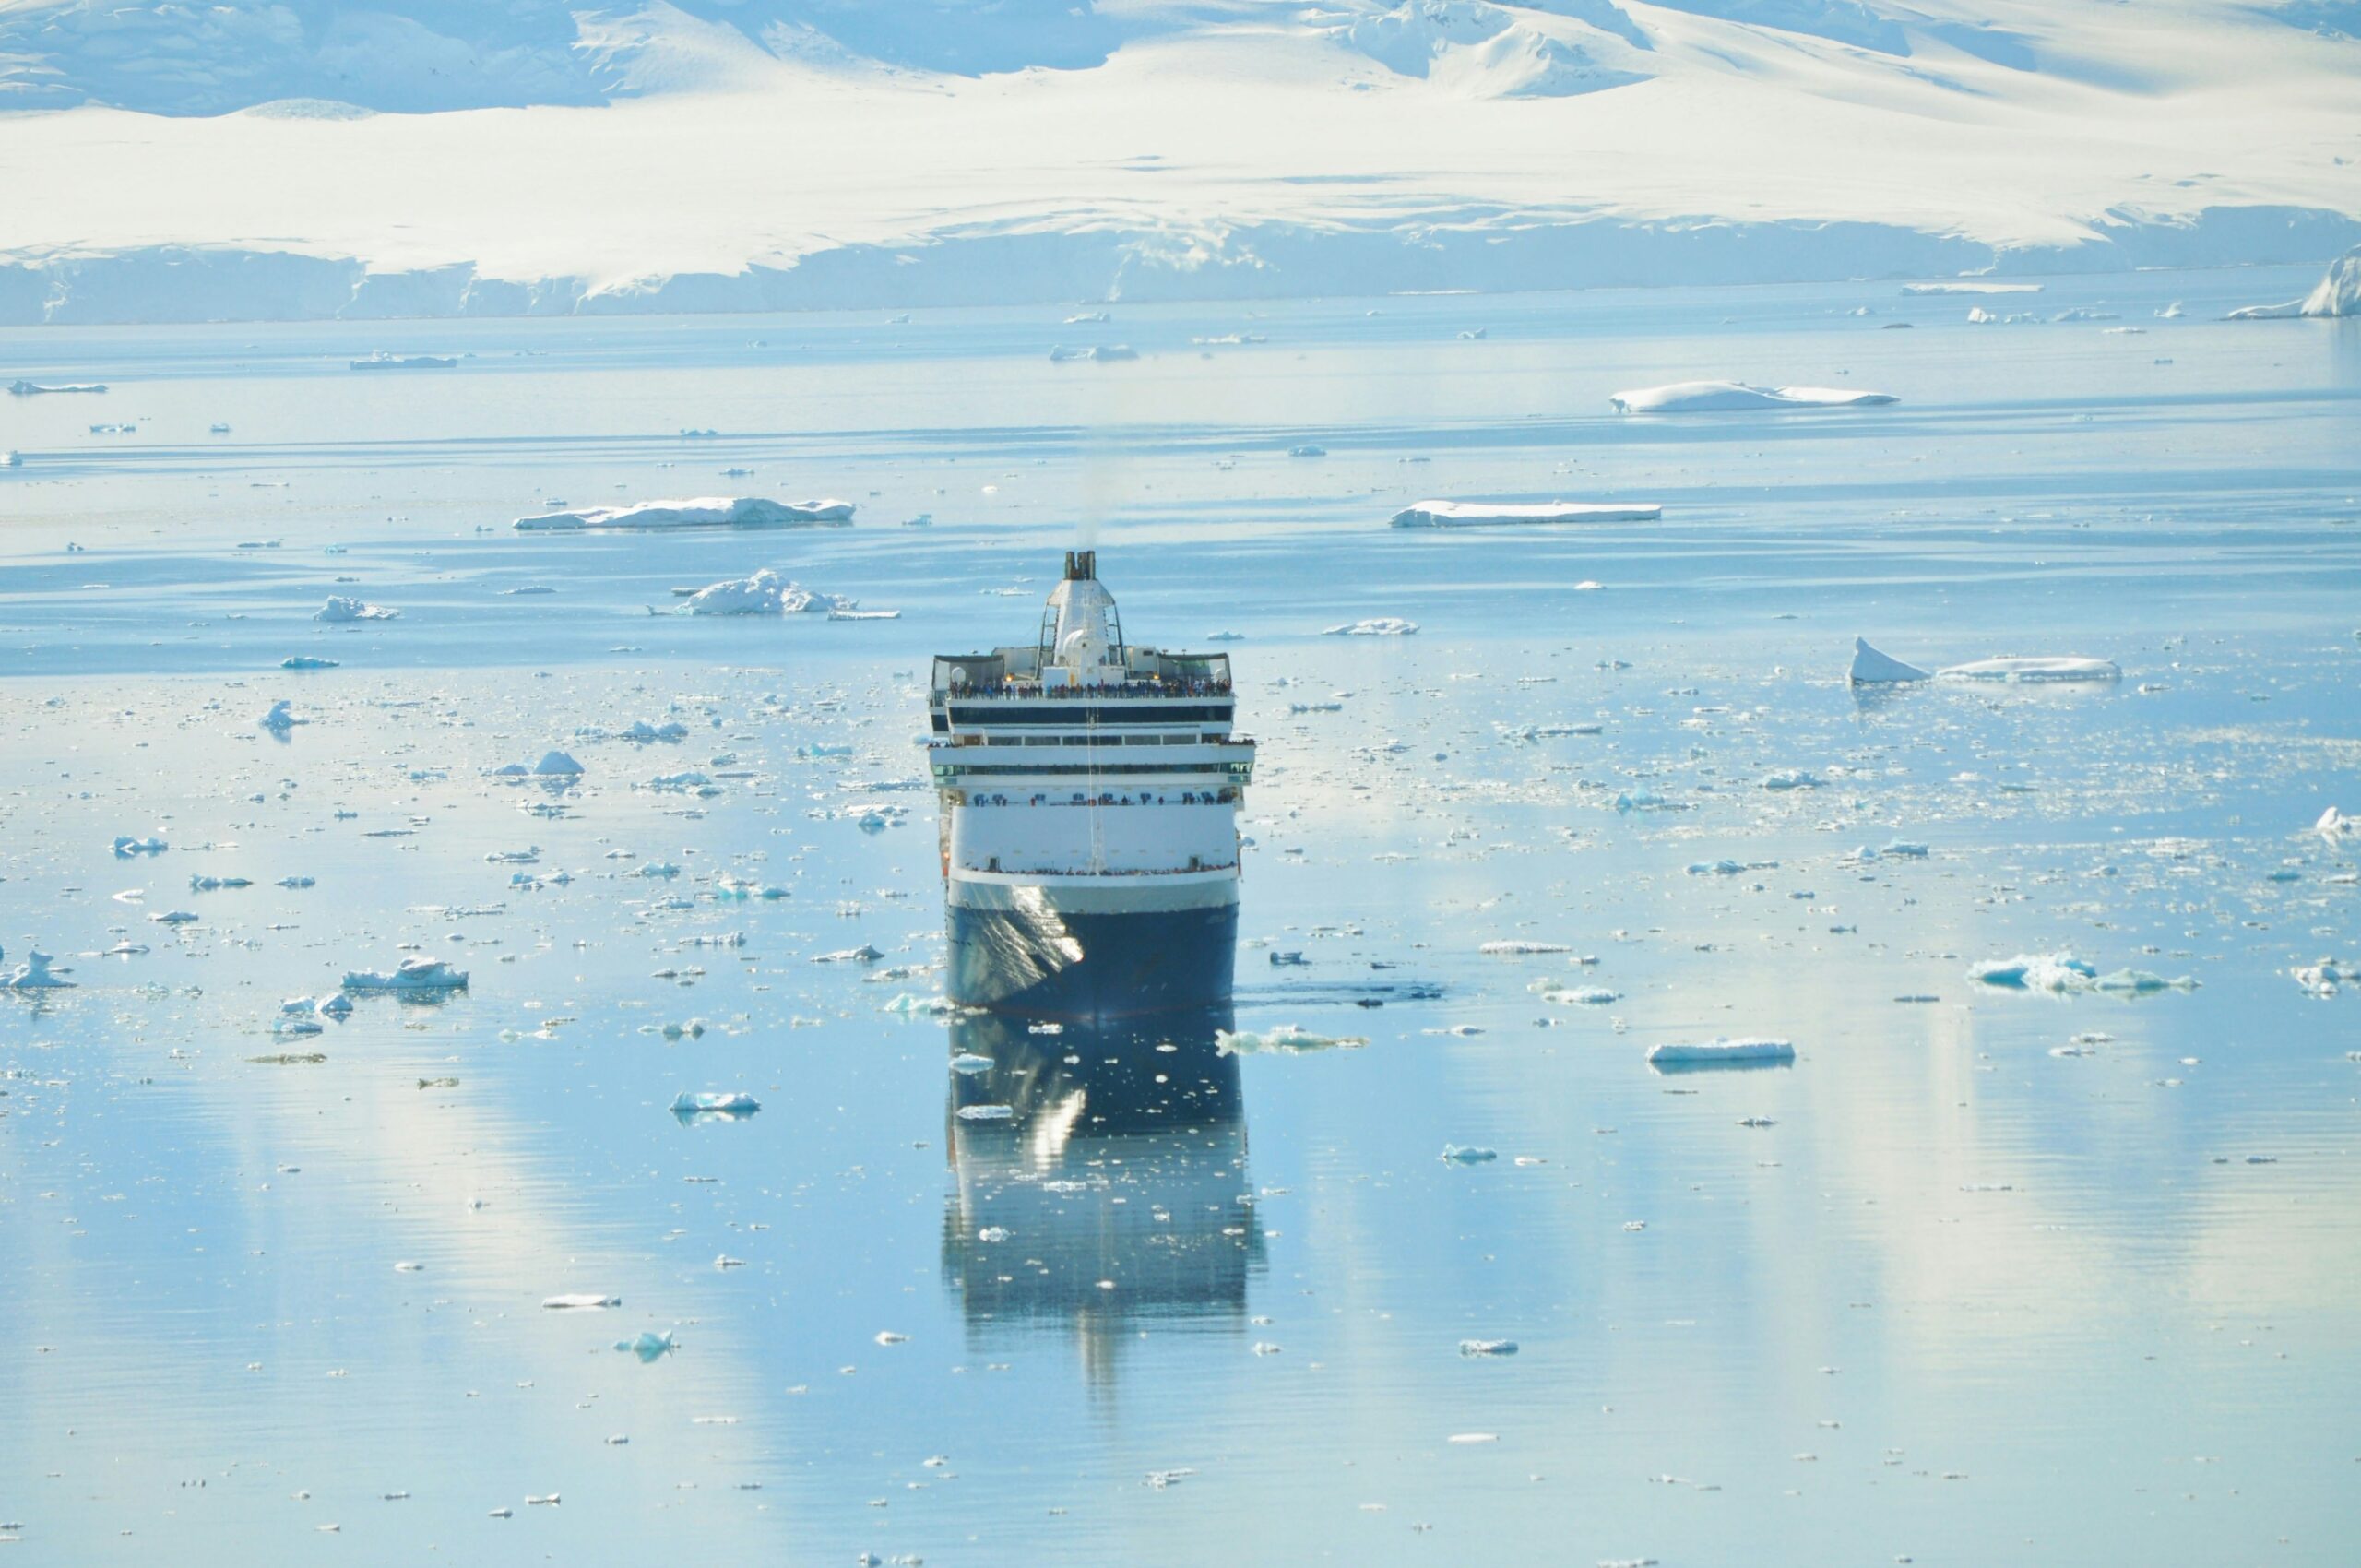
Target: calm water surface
(1986, 1276)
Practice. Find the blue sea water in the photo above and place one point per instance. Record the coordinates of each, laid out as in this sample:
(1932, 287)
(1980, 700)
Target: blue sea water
(1959, 1301)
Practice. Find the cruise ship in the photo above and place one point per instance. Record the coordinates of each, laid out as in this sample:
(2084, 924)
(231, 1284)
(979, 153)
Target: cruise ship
(1089, 792)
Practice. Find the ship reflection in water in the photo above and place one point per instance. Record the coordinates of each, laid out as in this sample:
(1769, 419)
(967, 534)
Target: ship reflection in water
(1101, 1181)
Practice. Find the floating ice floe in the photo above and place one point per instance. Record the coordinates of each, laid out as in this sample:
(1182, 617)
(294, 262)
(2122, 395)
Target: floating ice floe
(1749, 1052)
(35, 974)
(580, 1301)
(2321, 980)
(987, 1113)
(1467, 1154)
(1518, 948)
(341, 608)
(1377, 626)
(1285, 1039)
(557, 764)
(733, 1104)
(38, 388)
(1557, 995)
(2335, 823)
(1104, 353)
(1525, 734)
(1790, 779)
(2063, 973)
(1487, 1347)
(204, 883)
(1479, 514)
(648, 1346)
(920, 1006)
(416, 975)
(967, 1063)
(1871, 668)
(765, 593)
(307, 661)
(1645, 801)
(1971, 286)
(712, 511)
(864, 954)
(1899, 848)
(1718, 396)
(126, 847)
(281, 718)
(2035, 971)
(643, 733)
(2067, 668)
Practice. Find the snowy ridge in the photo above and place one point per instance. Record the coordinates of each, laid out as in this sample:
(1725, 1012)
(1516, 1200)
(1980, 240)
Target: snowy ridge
(312, 158)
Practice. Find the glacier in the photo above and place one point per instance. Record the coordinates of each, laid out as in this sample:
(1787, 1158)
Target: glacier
(283, 160)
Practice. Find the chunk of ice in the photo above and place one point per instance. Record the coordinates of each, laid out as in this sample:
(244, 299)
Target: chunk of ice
(1285, 1040)
(1722, 396)
(1871, 668)
(1723, 1053)
(1479, 514)
(341, 608)
(416, 974)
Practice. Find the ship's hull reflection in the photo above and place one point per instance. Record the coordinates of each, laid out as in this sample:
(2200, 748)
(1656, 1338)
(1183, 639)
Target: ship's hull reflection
(1113, 1189)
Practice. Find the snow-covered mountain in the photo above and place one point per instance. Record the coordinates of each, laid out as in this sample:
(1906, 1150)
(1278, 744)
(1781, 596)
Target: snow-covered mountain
(291, 158)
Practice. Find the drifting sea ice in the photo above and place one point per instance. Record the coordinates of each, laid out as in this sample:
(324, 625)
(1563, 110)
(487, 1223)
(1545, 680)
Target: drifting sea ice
(1724, 397)
(1377, 626)
(648, 1346)
(729, 1105)
(341, 608)
(1479, 514)
(1871, 668)
(1285, 1039)
(737, 512)
(35, 974)
(1723, 1053)
(416, 975)
(765, 593)
(2065, 668)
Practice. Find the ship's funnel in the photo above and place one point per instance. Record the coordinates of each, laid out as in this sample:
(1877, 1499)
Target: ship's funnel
(1081, 565)
(1080, 630)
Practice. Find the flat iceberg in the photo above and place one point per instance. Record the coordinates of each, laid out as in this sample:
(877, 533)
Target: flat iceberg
(765, 593)
(580, 1301)
(1871, 668)
(1723, 1053)
(733, 1104)
(1519, 949)
(2035, 971)
(1376, 627)
(703, 512)
(341, 608)
(1478, 514)
(2065, 668)
(306, 661)
(416, 975)
(1285, 1039)
(1722, 396)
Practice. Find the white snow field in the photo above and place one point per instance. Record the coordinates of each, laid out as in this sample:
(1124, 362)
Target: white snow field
(420, 157)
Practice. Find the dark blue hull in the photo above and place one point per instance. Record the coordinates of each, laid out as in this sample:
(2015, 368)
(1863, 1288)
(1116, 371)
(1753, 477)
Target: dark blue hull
(1092, 967)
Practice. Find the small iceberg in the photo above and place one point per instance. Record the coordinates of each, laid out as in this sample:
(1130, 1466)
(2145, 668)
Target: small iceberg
(1468, 1153)
(35, 974)
(1285, 1039)
(2043, 669)
(765, 593)
(648, 1346)
(987, 1113)
(557, 764)
(281, 718)
(580, 1301)
(2338, 293)
(306, 661)
(2035, 971)
(126, 847)
(416, 975)
(1723, 1053)
(1723, 397)
(967, 1063)
(732, 1105)
(1487, 1347)
(1516, 948)
(1377, 626)
(341, 608)
(1481, 514)
(1871, 668)
(703, 512)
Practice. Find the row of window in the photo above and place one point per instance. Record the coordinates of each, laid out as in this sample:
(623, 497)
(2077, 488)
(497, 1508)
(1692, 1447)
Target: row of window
(950, 770)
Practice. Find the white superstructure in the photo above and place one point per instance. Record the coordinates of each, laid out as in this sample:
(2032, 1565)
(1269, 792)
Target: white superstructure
(1080, 778)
